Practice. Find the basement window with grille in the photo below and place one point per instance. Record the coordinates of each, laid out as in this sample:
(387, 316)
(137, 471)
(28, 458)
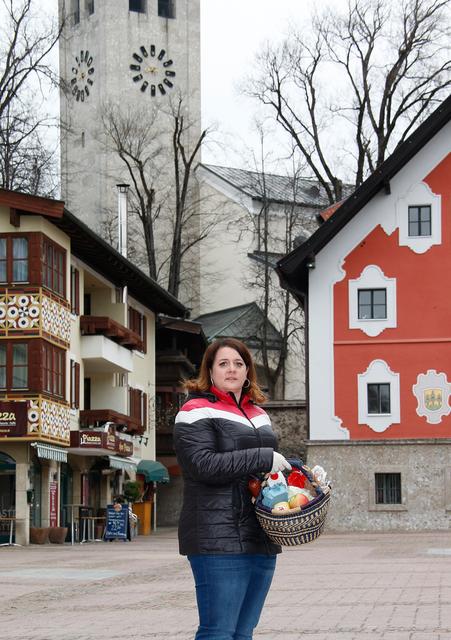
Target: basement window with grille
(387, 486)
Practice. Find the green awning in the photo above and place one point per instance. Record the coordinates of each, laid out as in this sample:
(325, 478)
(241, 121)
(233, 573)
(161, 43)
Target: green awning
(153, 471)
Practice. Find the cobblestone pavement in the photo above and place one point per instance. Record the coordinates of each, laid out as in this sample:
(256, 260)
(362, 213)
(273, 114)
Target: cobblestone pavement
(341, 587)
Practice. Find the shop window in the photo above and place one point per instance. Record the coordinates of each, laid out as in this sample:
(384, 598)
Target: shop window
(372, 304)
(166, 8)
(13, 259)
(137, 323)
(74, 291)
(138, 6)
(74, 384)
(53, 267)
(378, 398)
(388, 488)
(420, 220)
(53, 369)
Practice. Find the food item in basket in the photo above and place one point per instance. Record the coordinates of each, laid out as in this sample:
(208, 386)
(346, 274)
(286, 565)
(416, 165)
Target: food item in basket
(254, 486)
(276, 478)
(298, 500)
(296, 479)
(281, 506)
(272, 495)
(319, 475)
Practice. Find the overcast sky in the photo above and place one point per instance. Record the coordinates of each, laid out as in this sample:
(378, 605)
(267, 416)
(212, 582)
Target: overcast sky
(232, 31)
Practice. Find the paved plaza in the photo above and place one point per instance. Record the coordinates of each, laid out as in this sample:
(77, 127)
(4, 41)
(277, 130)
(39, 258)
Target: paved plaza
(341, 587)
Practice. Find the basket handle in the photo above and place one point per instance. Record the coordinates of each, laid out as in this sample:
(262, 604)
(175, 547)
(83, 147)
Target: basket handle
(297, 463)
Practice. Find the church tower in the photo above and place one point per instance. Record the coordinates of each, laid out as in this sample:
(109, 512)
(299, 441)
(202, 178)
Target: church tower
(137, 56)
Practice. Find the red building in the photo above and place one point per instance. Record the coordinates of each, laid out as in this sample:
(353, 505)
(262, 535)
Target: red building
(375, 284)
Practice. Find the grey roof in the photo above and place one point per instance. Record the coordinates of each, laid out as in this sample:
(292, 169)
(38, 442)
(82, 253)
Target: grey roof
(280, 189)
(244, 322)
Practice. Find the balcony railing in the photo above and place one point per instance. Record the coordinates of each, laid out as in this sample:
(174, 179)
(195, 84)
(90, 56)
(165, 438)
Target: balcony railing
(97, 417)
(102, 325)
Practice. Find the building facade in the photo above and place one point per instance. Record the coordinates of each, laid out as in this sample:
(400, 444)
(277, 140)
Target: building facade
(373, 280)
(77, 366)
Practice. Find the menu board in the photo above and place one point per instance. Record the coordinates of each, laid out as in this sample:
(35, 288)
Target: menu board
(117, 522)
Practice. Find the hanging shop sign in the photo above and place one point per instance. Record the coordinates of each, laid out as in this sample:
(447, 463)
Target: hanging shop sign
(13, 419)
(98, 440)
(53, 504)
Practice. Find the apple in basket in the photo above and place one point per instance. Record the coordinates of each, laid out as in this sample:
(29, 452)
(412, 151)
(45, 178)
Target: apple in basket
(298, 500)
(254, 486)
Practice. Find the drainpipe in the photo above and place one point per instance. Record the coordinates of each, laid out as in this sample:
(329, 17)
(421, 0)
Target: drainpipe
(122, 219)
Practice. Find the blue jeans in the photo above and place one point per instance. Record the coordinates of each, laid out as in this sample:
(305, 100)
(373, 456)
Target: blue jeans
(231, 591)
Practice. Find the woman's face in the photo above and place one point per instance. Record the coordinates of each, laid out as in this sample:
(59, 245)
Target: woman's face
(229, 371)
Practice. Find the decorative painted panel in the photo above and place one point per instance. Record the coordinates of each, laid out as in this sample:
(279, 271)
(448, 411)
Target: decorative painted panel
(49, 420)
(32, 313)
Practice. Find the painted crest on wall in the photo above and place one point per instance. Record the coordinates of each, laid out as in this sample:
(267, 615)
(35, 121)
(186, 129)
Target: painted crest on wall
(432, 392)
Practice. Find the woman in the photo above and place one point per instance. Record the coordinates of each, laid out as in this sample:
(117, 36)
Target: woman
(221, 437)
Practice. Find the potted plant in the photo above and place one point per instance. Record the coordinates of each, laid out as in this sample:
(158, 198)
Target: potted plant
(57, 535)
(132, 491)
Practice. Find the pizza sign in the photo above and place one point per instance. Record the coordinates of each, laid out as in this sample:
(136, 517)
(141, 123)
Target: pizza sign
(13, 419)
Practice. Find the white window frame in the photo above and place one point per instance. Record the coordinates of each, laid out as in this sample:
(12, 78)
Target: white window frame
(372, 277)
(378, 372)
(419, 195)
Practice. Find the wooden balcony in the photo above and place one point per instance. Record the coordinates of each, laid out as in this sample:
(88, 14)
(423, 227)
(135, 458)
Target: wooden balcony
(97, 417)
(102, 325)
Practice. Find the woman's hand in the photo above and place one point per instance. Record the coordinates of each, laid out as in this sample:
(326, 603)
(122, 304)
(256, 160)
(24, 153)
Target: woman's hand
(279, 463)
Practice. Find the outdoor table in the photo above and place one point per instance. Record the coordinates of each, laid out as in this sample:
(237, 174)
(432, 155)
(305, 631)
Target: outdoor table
(12, 521)
(89, 523)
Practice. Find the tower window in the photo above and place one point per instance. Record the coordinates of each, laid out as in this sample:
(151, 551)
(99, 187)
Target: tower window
(76, 11)
(420, 220)
(90, 7)
(166, 8)
(137, 5)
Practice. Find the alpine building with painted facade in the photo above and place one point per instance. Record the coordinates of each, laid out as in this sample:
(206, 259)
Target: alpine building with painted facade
(374, 281)
(77, 367)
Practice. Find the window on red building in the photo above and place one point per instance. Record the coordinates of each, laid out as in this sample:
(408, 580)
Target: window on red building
(378, 397)
(14, 365)
(372, 304)
(420, 220)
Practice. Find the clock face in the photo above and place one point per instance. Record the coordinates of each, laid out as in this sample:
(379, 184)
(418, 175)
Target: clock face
(153, 70)
(82, 76)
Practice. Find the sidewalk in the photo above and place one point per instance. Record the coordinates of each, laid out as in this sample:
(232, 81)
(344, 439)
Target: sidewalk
(341, 587)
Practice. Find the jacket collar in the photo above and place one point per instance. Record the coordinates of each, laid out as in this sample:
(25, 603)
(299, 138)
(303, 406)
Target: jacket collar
(229, 398)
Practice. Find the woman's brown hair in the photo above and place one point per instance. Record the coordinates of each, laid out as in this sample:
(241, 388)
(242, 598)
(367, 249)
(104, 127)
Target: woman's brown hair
(203, 380)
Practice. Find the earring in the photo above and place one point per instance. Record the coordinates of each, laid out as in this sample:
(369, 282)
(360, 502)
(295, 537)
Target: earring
(212, 383)
(247, 384)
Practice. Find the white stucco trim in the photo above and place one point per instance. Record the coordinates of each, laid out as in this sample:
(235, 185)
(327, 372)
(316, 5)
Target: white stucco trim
(419, 194)
(379, 372)
(372, 277)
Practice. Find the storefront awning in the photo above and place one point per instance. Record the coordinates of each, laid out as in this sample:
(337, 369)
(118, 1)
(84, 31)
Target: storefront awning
(153, 471)
(122, 463)
(49, 452)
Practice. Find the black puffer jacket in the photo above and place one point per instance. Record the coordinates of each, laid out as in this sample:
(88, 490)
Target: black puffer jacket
(218, 445)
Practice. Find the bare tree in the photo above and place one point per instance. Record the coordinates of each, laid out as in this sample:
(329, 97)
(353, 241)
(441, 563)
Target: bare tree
(27, 162)
(389, 64)
(160, 164)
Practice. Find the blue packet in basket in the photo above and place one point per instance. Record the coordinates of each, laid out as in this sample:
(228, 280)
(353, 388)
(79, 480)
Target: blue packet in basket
(273, 495)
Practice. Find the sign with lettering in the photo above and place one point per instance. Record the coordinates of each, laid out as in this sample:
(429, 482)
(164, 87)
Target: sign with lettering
(117, 525)
(101, 440)
(13, 419)
(53, 504)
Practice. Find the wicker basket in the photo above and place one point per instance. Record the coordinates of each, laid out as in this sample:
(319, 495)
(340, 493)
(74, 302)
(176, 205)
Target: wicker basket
(298, 528)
